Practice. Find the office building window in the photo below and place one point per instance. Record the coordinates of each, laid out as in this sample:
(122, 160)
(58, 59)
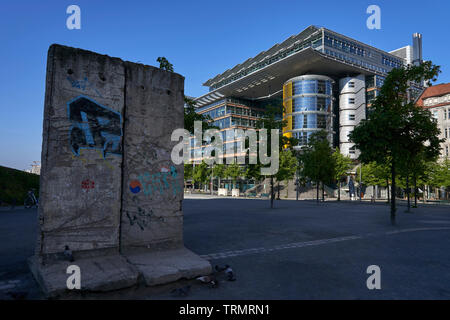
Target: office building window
(446, 133)
(351, 84)
(351, 100)
(351, 117)
(352, 150)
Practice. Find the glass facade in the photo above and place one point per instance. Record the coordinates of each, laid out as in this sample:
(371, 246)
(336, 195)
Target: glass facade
(308, 107)
(228, 114)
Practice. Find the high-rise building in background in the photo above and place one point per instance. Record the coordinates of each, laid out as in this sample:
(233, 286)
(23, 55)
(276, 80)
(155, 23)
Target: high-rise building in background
(35, 168)
(325, 80)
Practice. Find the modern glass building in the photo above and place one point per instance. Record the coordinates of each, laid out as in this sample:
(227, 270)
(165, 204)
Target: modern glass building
(308, 105)
(229, 114)
(324, 79)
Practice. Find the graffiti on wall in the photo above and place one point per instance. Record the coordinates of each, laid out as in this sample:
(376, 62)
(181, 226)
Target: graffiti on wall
(160, 182)
(94, 127)
(82, 84)
(87, 185)
(142, 217)
(88, 160)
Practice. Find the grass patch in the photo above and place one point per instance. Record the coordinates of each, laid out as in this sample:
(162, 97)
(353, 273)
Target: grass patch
(14, 184)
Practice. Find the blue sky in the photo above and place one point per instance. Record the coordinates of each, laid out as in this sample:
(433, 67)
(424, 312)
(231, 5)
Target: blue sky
(200, 38)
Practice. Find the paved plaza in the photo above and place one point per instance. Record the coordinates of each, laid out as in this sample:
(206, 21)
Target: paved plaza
(298, 250)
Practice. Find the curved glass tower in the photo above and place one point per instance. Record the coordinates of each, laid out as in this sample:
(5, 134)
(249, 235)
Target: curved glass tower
(308, 106)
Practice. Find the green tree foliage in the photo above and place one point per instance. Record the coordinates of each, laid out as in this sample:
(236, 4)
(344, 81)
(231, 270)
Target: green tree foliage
(234, 171)
(440, 174)
(14, 185)
(253, 171)
(318, 161)
(219, 171)
(202, 173)
(164, 64)
(396, 129)
(373, 174)
(287, 167)
(343, 164)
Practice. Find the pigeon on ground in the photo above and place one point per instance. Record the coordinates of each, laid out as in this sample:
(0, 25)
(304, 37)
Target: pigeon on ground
(183, 291)
(220, 269)
(68, 254)
(205, 279)
(230, 274)
(210, 280)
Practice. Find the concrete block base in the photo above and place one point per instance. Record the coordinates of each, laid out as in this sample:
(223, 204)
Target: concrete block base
(114, 272)
(98, 274)
(160, 267)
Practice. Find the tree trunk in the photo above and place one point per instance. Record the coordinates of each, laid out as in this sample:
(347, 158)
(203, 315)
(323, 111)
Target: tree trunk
(407, 194)
(339, 191)
(323, 192)
(287, 189)
(387, 190)
(278, 191)
(393, 209)
(317, 192)
(415, 192)
(272, 194)
(424, 186)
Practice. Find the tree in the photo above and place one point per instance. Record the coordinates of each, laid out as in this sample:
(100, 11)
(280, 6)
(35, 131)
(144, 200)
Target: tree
(165, 64)
(273, 119)
(219, 172)
(318, 161)
(373, 174)
(201, 173)
(418, 169)
(191, 115)
(343, 164)
(442, 177)
(253, 171)
(395, 124)
(234, 171)
(439, 174)
(287, 168)
(188, 172)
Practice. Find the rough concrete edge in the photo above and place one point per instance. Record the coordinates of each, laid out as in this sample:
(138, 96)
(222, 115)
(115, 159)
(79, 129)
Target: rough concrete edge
(49, 293)
(34, 266)
(180, 274)
(84, 51)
